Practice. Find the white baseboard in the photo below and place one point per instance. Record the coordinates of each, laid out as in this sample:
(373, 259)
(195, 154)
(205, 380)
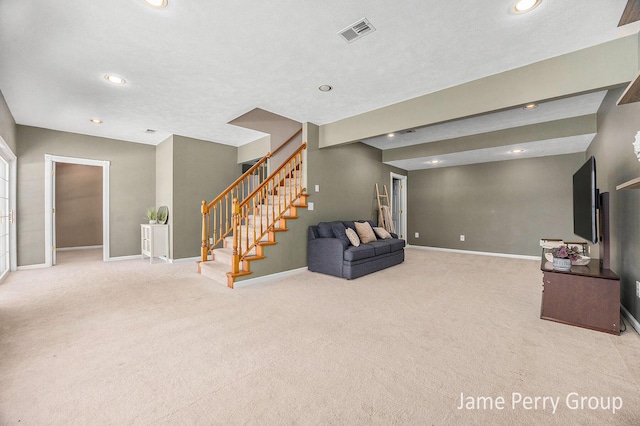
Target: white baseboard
(481, 253)
(118, 258)
(78, 248)
(270, 277)
(634, 322)
(185, 259)
(37, 266)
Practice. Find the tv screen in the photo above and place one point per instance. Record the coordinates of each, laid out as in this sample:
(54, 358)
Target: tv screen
(585, 197)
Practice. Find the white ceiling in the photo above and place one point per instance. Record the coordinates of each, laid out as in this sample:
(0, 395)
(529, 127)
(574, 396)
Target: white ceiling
(195, 65)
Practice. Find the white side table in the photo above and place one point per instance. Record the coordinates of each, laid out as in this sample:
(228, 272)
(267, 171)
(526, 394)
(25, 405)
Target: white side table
(154, 241)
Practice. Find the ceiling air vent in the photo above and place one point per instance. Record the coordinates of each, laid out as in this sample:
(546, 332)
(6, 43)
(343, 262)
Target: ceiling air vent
(357, 30)
(404, 132)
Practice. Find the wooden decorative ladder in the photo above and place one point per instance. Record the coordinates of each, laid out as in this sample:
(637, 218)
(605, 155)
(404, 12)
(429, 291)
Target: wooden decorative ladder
(239, 223)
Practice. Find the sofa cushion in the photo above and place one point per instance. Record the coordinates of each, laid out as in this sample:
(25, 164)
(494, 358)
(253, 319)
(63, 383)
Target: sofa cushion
(353, 237)
(365, 232)
(380, 247)
(361, 252)
(339, 231)
(325, 230)
(395, 244)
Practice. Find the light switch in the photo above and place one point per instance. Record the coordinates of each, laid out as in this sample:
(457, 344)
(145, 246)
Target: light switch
(309, 206)
(317, 188)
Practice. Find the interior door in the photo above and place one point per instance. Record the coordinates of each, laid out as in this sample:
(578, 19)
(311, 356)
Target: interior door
(399, 204)
(6, 218)
(395, 206)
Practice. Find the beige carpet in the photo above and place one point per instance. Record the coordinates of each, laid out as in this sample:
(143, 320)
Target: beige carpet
(91, 343)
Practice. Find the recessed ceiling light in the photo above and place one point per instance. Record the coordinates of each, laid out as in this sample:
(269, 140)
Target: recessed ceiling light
(96, 121)
(530, 106)
(434, 161)
(114, 79)
(517, 151)
(391, 135)
(523, 6)
(325, 88)
(156, 3)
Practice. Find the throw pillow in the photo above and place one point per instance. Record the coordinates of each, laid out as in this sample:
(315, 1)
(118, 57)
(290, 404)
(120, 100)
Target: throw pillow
(324, 230)
(382, 233)
(365, 232)
(340, 232)
(353, 237)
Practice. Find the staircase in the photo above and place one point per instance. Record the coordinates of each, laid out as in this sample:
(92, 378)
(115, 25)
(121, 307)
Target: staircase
(239, 223)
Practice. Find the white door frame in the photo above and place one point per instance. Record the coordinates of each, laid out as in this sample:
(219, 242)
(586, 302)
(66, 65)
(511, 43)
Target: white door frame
(402, 222)
(48, 202)
(12, 160)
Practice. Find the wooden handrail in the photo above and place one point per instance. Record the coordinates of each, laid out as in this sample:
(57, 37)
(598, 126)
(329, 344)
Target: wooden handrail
(217, 215)
(272, 175)
(252, 169)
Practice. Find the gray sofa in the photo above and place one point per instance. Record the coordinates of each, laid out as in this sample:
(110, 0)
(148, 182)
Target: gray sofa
(330, 252)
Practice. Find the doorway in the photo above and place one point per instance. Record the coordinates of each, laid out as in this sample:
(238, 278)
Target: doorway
(8, 247)
(399, 204)
(51, 163)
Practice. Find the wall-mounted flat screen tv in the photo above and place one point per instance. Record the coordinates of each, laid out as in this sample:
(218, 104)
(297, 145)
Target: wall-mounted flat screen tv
(585, 202)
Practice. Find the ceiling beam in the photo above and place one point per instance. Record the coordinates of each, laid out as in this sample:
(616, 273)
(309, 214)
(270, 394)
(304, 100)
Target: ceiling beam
(599, 67)
(586, 124)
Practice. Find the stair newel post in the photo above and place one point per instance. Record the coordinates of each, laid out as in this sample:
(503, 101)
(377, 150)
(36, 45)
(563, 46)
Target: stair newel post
(235, 264)
(204, 252)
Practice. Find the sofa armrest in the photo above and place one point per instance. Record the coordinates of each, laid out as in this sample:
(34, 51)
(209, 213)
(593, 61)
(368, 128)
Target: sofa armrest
(325, 255)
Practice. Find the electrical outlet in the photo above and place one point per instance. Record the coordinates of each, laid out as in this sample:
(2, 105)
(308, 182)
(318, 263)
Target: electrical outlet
(417, 235)
(317, 188)
(638, 288)
(461, 237)
(309, 206)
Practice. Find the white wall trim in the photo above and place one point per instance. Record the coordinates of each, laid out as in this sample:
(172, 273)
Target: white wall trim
(270, 277)
(12, 161)
(48, 201)
(78, 248)
(634, 322)
(36, 266)
(403, 204)
(119, 258)
(481, 253)
(185, 260)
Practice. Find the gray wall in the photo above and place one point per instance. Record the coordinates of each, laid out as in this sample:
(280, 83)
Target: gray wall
(164, 183)
(500, 207)
(347, 176)
(616, 163)
(132, 184)
(201, 171)
(78, 205)
(7, 125)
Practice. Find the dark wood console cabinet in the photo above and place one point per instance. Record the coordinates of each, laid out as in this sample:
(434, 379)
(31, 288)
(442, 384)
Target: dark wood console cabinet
(585, 296)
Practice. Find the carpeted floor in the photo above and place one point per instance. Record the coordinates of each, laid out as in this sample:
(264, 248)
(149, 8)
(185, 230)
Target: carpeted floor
(87, 342)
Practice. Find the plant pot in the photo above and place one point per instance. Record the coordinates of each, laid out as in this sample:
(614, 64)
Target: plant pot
(153, 222)
(561, 264)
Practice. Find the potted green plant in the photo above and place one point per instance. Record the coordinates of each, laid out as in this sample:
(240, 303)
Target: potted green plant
(152, 215)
